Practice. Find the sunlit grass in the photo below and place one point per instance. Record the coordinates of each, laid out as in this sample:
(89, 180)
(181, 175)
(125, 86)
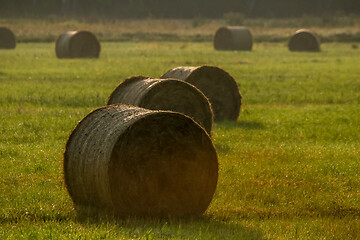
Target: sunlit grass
(289, 167)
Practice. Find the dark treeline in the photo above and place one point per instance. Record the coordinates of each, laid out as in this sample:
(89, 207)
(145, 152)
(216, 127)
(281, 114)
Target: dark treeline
(177, 9)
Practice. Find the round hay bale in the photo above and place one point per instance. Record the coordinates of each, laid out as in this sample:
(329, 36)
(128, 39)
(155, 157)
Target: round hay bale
(233, 38)
(140, 162)
(7, 38)
(165, 94)
(304, 40)
(216, 84)
(77, 44)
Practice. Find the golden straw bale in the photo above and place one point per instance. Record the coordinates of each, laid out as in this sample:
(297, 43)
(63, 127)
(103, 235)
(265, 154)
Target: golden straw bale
(233, 38)
(139, 162)
(7, 38)
(165, 94)
(216, 84)
(304, 40)
(77, 44)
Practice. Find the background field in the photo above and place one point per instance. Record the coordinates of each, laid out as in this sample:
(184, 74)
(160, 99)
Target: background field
(289, 167)
(330, 28)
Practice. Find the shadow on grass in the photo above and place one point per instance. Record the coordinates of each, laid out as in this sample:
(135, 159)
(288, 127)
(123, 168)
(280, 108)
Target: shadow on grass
(247, 125)
(202, 227)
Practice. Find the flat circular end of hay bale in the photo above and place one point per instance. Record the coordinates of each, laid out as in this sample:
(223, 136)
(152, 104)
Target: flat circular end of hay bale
(179, 96)
(140, 162)
(221, 89)
(7, 38)
(233, 38)
(77, 44)
(168, 167)
(165, 94)
(304, 40)
(84, 44)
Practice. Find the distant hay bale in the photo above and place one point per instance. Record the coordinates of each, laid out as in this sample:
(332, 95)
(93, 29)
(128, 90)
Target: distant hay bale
(304, 40)
(216, 84)
(165, 94)
(7, 38)
(77, 44)
(233, 38)
(140, 162)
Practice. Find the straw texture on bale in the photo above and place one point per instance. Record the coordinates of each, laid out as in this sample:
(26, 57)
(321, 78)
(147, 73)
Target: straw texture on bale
(7, 38)
(77, 44)
(165, 94)
(216, 84)
(233, 38)
(304, 40)
(140, 162)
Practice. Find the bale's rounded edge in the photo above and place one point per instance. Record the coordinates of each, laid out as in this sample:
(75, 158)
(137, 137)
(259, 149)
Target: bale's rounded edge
(224, 95)
(123, 84)
(72, 134)
(233, 38)
(77, 44)
(165, 94)
(304, 40)
(232, 88)
(7, 38)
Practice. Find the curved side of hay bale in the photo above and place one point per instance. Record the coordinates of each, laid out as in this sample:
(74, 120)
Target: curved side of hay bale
(216, 84)
(304, 40)
(233, 38)
(130, 91)
(62, 45)
(165, 94)
(141, 162)
(7, 38)
(77, 44)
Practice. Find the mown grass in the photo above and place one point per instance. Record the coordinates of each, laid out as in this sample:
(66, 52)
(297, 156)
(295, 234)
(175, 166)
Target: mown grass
(289, 167)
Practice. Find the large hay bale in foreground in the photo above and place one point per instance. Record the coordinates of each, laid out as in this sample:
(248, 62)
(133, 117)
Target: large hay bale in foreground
(140, 162)
(7, 38)
(216, 84)
(233, 38)
(304, 40)
(165, 94)
(77, 44)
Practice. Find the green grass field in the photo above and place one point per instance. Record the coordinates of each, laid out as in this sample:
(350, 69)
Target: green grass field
(289, 167)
